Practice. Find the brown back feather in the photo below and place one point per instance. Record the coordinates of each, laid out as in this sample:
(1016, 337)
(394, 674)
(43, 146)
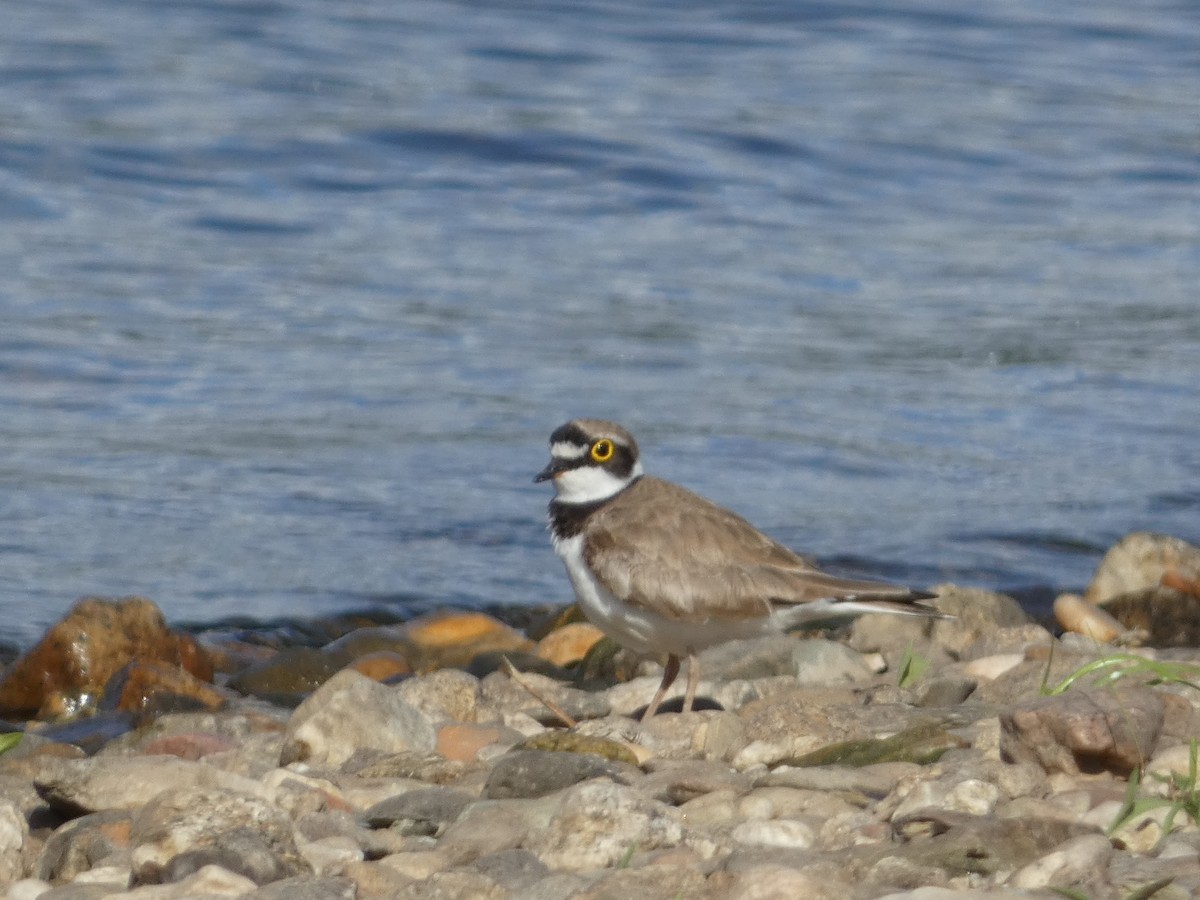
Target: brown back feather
(717, 565)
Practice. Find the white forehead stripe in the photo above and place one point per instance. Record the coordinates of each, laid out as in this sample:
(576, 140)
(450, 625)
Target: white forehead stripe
(563, 450)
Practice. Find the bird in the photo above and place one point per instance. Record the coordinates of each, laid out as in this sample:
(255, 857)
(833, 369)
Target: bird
(659, 568)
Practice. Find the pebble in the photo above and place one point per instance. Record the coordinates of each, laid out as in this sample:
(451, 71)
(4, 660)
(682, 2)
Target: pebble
(350, 712)
(568, 644)
(450, 785)
(1085, 730)
(535, 773)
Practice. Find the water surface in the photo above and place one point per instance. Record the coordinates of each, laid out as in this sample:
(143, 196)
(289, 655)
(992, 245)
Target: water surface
(293, 292)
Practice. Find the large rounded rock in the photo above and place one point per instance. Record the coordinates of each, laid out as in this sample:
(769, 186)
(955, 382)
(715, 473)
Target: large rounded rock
(76, 787)
(151, 686)
(597, 823)
(451, 639)
(348, 713)
(535, 773)
(79, 654)
(1084, 731)
(180, 832)
(1139, 561)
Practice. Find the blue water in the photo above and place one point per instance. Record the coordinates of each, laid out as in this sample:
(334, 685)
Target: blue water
(292, 292)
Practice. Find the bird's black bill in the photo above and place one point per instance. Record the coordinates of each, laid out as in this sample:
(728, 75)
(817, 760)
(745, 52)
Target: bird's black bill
(552, 469)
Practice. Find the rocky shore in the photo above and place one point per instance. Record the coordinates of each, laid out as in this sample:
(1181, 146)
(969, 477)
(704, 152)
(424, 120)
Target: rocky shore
(980, 755)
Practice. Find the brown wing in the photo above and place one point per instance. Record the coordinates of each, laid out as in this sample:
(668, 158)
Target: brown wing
(715, 565)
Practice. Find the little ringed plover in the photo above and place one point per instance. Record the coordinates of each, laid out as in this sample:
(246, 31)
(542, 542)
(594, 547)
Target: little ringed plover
(659, 568)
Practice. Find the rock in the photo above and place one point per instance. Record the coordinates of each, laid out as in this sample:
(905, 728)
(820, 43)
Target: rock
(871, 781)
(80, 653)
(796, 722)
(1166, 617)
(961, 844)
(181, 832)
(966, 795)
(1075, 614)
(495, 826)
(535, 773)
(382, 665)
(598, 823)
(775, 833)
(351, 712)
(989, 668)
(424, 811)
(760, 657)
(1084, 731)
(329, 887)
(945, 691)
(428, 767)
(771, 881)
(451, 639)
(647, 883)
(144, 686)
(1139, 561)
(446, 694)
(568, 644)
(574, 742)
(14, 834)
(977, 614)
(921, 743)
(514, 870)
(1171, 762)
(503, 693)
(459, 885)
(27, 889)
(366, 641)
(288, 676)
(463, 742)
(817, 661)
(84, 843)
(80, 786)
(190, 745)
(676, 781)
(207, 881)
(1141, 832)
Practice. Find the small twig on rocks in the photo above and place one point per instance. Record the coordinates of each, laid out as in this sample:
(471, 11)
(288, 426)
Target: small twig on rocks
(545, 701)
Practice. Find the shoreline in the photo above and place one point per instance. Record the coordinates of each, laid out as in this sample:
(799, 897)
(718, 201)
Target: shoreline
(975, 756)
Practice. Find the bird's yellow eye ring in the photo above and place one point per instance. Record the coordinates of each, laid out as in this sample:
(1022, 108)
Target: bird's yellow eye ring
(603, 450)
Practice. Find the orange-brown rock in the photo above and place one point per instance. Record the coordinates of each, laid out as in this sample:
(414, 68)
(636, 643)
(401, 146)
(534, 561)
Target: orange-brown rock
(79, 654)
(463, 741)
(149, 684)
(451, 639)
(569, 643)
(382, 665)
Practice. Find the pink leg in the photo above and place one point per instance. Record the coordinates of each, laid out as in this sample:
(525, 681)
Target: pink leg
(693, 682)
(668, 678)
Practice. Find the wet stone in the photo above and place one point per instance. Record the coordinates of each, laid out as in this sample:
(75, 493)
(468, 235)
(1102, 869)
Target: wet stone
(424, 811)
(80, 653)
(287, 677)
(535, 773)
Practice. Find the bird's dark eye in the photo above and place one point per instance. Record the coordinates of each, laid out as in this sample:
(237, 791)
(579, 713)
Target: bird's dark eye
(602, 450)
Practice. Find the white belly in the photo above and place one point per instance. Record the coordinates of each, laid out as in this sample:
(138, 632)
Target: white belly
(640, 629)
